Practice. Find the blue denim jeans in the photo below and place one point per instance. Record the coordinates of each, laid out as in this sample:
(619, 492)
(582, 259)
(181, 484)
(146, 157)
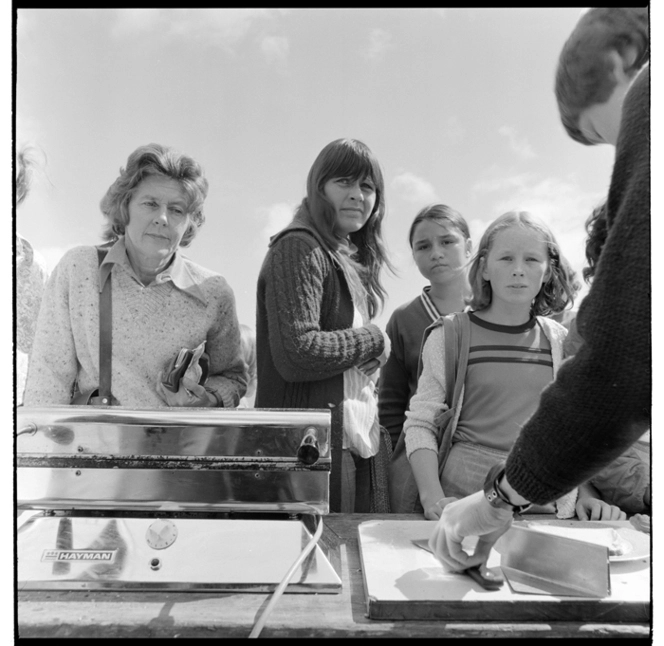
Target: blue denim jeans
(466, 468)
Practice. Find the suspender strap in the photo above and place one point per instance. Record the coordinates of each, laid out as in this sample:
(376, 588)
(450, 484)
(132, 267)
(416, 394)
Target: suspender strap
(105, 336)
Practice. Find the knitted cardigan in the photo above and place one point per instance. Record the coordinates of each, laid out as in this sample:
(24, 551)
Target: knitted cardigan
(304, 335)
(398, 377)
(601, 400)
(150, 325)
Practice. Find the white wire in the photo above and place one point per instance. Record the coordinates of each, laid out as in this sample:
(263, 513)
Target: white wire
(260, 622)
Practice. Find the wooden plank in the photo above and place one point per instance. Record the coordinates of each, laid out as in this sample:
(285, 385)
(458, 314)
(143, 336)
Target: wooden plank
(197, 615)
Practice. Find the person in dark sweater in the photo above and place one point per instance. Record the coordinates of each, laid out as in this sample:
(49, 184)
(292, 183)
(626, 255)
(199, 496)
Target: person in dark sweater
(600, 402)
(625, 482)
(318, 289)
(440, 241)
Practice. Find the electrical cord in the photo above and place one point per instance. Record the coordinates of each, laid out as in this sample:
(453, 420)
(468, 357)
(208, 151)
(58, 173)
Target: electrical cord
(260, 622)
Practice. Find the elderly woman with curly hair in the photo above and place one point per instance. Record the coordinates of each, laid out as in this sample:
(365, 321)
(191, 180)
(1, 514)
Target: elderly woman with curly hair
(161, 301)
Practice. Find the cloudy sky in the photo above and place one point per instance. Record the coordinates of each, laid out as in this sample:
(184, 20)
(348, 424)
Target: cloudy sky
(457, 104)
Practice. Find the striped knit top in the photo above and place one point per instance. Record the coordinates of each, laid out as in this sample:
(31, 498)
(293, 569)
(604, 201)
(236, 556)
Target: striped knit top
(543, 334)
(508, 367)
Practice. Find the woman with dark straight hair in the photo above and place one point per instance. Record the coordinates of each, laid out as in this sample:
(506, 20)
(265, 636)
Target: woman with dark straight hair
(318, 289)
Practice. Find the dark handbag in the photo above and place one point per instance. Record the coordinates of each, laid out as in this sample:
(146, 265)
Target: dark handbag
(404, 494)
(102, 396)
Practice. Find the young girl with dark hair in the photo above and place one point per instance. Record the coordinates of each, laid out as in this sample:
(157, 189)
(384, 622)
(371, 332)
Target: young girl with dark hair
(440, 242)
(318, 289)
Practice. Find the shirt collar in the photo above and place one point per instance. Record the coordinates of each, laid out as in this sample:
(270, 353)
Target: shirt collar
(429, 305)
(177, 272)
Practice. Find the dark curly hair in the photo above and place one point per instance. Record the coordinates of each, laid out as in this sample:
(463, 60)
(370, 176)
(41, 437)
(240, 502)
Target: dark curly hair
(597, 230)
(584, 76)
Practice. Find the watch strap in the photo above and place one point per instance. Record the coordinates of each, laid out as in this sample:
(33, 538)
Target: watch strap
(494, 494)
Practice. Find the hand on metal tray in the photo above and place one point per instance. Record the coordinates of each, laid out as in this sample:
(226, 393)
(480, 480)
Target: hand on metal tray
(470, 516)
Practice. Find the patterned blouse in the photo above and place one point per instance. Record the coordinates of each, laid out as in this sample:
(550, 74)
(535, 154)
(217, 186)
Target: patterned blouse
(30, 278)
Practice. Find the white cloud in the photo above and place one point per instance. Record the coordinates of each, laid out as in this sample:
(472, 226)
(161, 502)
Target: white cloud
(498, 182)
(274, 218)
(275, 49)
(379, 43)
(518, 144)
(130, 22)
(559, 202)
(412, 188)
(224, 28)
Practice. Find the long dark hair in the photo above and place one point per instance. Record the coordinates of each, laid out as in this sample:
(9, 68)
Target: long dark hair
(352, 159)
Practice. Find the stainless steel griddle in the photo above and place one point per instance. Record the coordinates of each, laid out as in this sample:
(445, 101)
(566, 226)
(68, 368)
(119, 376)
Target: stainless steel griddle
(178, 499)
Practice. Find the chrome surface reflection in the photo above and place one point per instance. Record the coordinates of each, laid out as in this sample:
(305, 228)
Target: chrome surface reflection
(72, 457)
(79, 553)
(124, 499)
(177, 490)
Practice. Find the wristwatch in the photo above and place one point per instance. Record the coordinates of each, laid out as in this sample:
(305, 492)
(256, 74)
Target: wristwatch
(495, 496)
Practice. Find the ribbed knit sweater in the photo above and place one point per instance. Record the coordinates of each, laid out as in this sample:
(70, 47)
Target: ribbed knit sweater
(150, 325)
(600, 402)
(398, 377)
(304, 315)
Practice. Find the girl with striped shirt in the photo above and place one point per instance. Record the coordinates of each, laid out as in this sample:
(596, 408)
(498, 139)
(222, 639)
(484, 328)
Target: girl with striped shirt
(518, 277)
